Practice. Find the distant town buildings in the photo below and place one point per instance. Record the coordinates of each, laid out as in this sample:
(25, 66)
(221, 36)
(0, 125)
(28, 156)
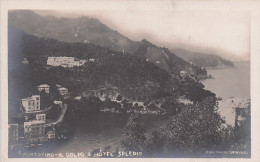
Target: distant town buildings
(77, 98)
(62, 90)
(34, 130)
(234, 110)
(51, 133)
(242, 113)
(67, 62)
(44, 87)
(91, 60)
(183, 73)
(57, 102)
(12, 133)
(41, 117)
(31, 104)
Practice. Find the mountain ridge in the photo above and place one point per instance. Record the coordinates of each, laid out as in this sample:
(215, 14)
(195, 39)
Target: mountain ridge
(91, 30)
(202, 59)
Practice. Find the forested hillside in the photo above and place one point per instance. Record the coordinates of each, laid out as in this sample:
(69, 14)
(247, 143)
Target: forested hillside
(131, 76)
(84, 30)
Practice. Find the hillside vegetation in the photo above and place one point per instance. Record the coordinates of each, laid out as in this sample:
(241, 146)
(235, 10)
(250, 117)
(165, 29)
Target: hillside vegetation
(91, 30)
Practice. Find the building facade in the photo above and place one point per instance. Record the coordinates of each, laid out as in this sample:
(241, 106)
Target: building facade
(41, 117)
(12, 133)
(242, 113)
(51, 134)
(57, 102)
(91, 60)
(31, 104)
(63, 91)
(67, 62)
(44, 87)
(34, 131)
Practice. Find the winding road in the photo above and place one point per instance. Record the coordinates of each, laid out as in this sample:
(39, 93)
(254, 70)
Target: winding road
(60, 119)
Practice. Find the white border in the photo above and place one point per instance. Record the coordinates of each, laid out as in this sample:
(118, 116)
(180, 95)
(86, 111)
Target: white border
(155, 5)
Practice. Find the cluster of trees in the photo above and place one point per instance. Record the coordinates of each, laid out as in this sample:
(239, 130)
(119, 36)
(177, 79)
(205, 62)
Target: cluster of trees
(35, 47)
(190, 133)
(133, 137)
(193, 90)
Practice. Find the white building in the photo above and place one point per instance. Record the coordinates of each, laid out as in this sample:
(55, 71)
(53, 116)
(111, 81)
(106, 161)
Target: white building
(51, 133)
(183, 73)
(91, 60)
(34, 131)
(77, 98)
(63, 91)
(57, 102)
(31, 104)
(41, 117)
(67, 62)
(44, 87)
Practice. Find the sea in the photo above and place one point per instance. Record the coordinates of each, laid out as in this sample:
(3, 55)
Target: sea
(230, 82)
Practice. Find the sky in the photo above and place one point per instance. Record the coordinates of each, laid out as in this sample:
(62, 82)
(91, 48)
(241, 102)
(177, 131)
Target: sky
(223, 32)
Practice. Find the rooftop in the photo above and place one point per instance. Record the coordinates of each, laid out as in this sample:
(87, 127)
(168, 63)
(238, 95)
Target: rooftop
(63, 88)
(43, 85)
(30, 98)
(33, 122)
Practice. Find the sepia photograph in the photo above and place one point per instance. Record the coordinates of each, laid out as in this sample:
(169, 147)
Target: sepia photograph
(150, 83)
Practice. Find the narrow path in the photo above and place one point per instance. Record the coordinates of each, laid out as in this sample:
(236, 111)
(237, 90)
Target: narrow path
(60, 119)
(40, 111)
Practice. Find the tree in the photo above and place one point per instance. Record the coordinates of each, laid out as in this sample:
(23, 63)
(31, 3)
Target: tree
(45, 100)
(119, 98)
(197, 127)
(126, 104)
(133, 136)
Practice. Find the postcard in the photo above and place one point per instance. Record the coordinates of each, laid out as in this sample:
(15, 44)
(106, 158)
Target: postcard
(130, 80)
